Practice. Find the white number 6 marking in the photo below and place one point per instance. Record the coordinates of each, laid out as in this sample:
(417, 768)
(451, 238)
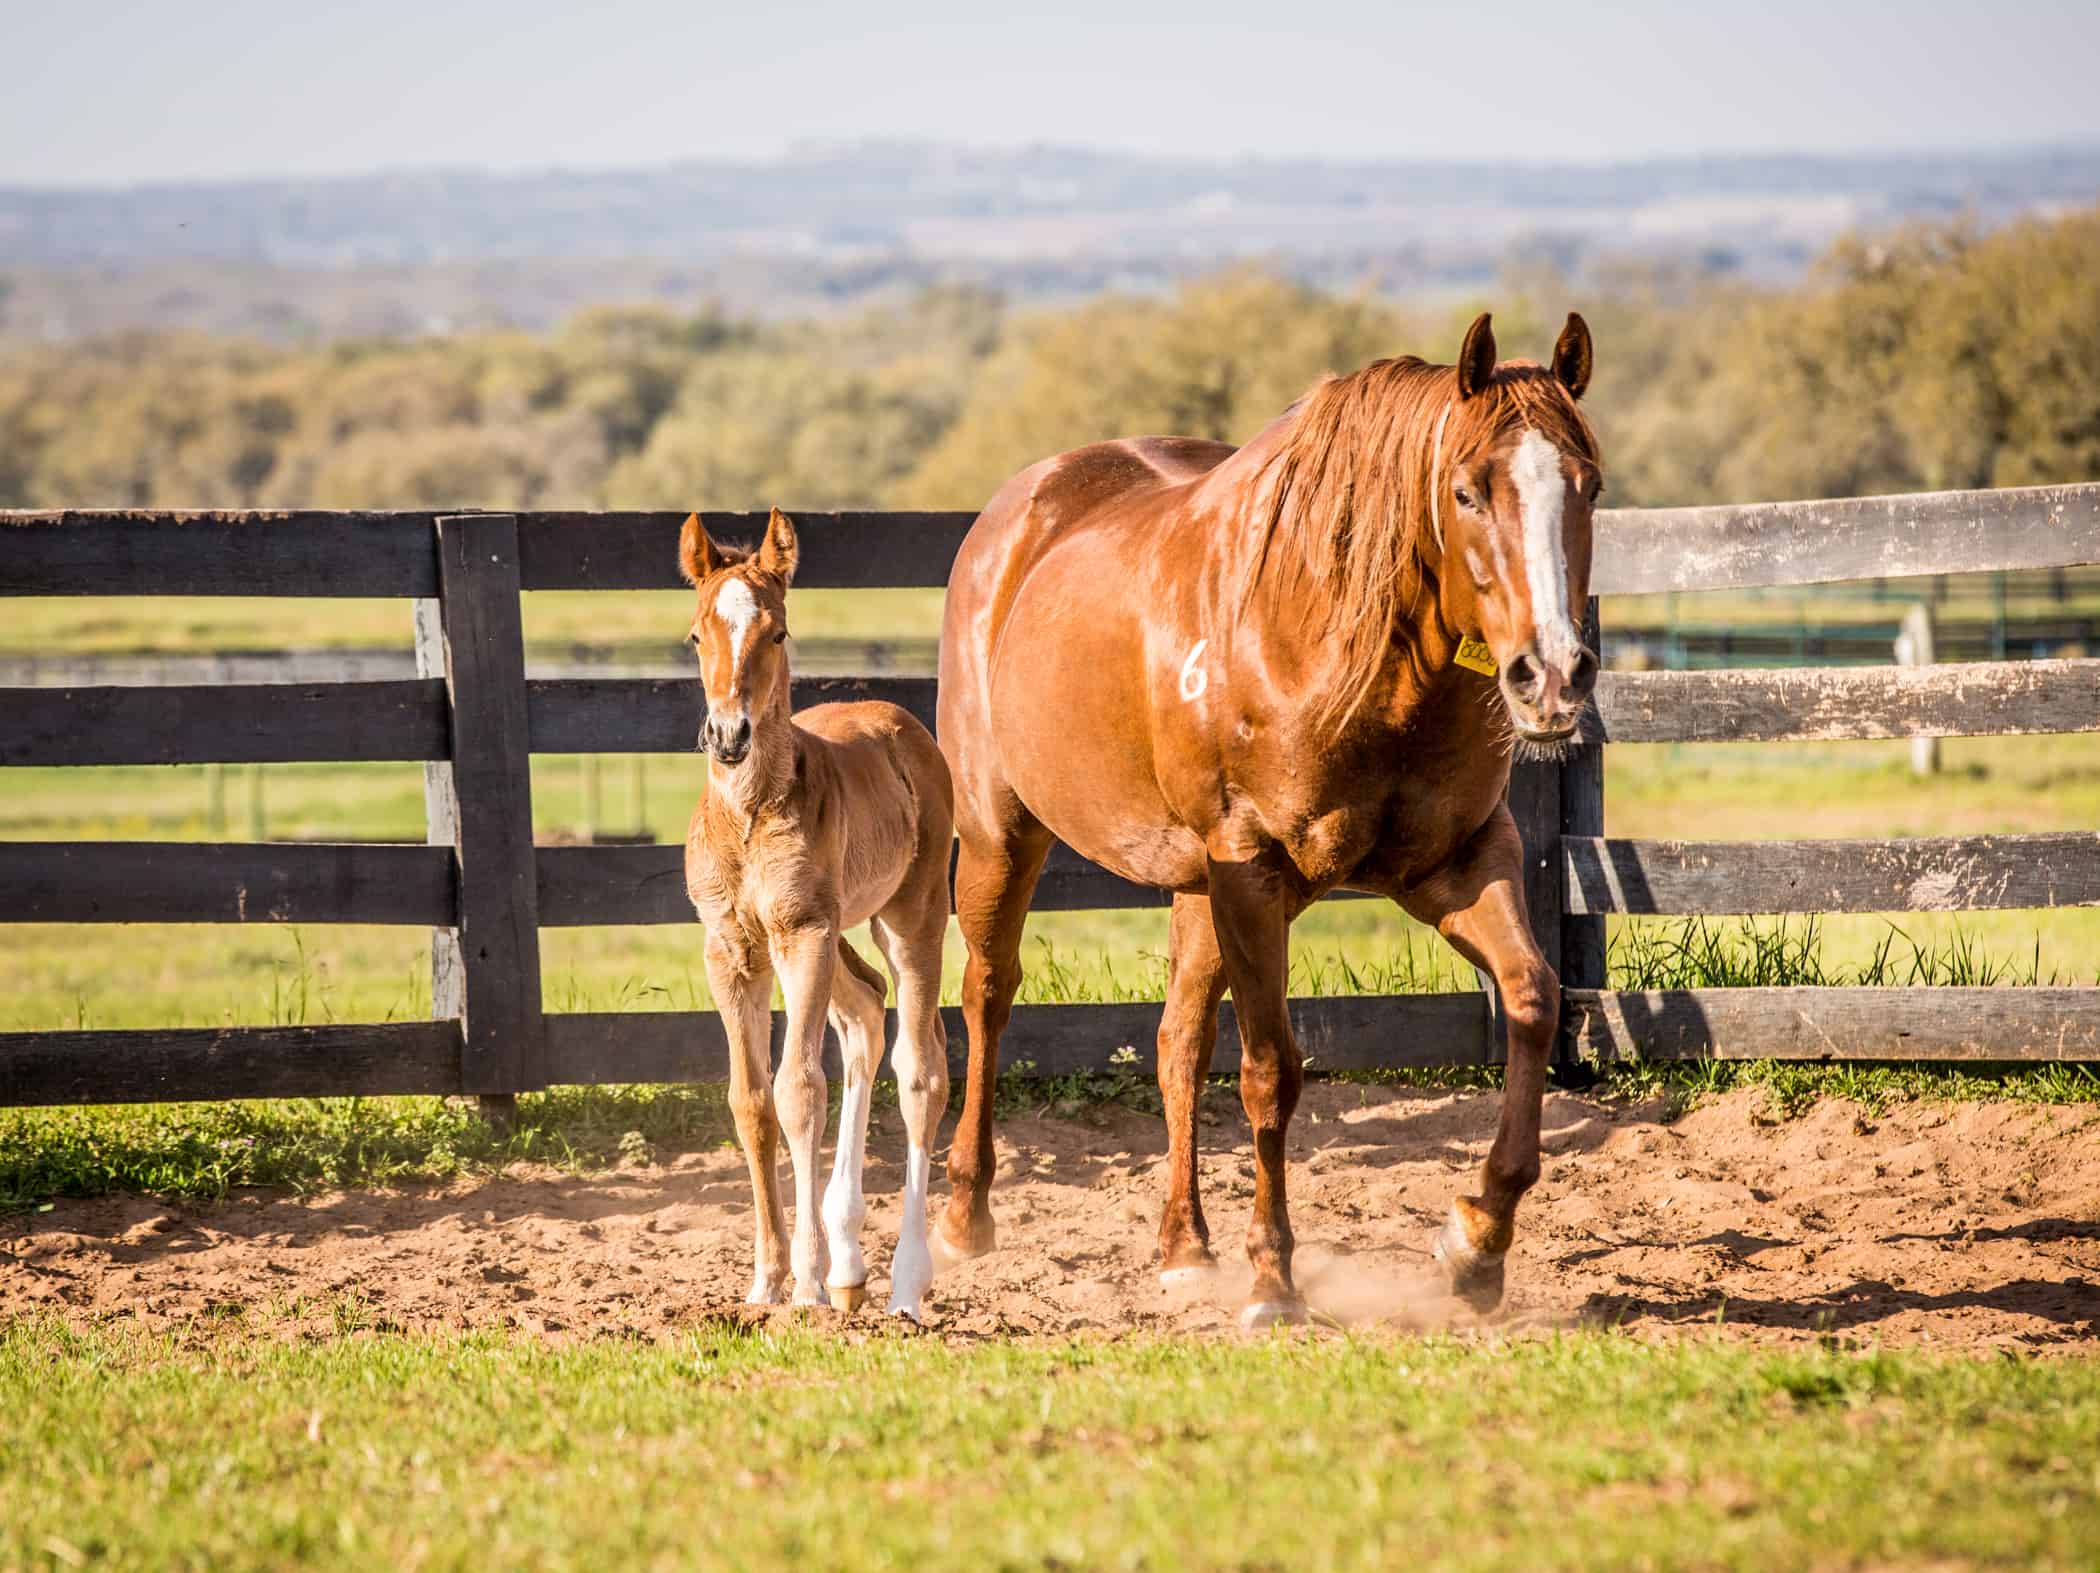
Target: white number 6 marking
(1193, 678)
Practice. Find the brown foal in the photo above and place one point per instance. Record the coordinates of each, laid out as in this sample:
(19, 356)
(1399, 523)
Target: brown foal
(1251, 676)
(812, 823)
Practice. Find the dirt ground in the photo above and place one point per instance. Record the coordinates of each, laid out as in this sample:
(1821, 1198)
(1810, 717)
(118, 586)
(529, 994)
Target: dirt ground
(1953, 1225)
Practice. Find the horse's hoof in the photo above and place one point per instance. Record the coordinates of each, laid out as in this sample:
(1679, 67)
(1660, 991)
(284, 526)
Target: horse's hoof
(848, 1298)
(909, 1313)
(977, 1239)
(1262, 1315)
(1476, 1275)
(1192, 1276)
(815, 1296)
(766, 1291)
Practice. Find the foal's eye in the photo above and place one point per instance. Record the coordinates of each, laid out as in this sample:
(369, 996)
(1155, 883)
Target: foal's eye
(781, 637)
(1465, 498)
(692, 639)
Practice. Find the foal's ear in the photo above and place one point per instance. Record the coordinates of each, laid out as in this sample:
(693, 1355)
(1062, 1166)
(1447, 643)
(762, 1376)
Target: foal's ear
(697, 556)
(1476, 357)
(1571, 356)
(781, 550)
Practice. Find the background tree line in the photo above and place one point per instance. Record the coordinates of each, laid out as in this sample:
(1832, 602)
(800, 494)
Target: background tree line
(1930, 358)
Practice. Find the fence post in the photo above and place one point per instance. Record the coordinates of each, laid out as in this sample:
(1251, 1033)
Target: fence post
(1914, 648)
(1582, 938)
(486, 970)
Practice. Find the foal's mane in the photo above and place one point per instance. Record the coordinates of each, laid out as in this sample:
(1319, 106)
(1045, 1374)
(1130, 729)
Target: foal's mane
(1349, 494)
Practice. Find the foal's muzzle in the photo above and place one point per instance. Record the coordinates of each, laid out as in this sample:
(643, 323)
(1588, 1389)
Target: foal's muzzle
(726, 738)
(1545, 698)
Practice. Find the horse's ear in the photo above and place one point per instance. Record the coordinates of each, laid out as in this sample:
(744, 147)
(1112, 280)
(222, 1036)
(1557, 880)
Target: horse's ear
(697, 557)
(1571, 356)
(781, 550)
(1476, 357)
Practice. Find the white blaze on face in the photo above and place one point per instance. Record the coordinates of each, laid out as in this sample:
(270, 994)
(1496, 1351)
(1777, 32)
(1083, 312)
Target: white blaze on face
(737, 607)
(1541, 491)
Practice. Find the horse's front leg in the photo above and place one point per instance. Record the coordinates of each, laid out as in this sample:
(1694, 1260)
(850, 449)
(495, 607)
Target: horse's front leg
(1251, 911)
(1477, 903)
(742, 981)
(1188, 1034)
(806, 958)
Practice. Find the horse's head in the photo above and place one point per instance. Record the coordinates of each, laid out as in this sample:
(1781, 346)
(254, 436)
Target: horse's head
(740, 631)
(1514, 474)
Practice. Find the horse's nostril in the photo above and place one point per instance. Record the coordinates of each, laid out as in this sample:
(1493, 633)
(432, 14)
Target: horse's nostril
(1524, 675)
(1582, 675)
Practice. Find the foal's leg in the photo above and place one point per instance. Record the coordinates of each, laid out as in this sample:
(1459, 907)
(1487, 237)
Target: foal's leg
(743, 989)
(995, 876)
(1188, 1033)
(807, 959)
(1251, 912)
(857, 991)
(921, 1063)
(1477, 903)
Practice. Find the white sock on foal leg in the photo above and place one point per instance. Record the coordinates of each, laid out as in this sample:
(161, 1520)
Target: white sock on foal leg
(845, 1207)
(911, 1270)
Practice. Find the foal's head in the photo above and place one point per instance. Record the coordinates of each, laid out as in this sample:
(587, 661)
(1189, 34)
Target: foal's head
(1514, 473)
(740, 631)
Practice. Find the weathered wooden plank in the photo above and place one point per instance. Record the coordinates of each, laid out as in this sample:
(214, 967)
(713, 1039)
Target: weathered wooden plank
(2008, 1024)
(1925, 874)
(1358, 1032)
(504, 1047)
(263, 723)
(1738, 546)
(662, 715)
(238, 882)
(1833, 704)
(639, 551)
(310, 552)
(186, 1064)
(448, 969)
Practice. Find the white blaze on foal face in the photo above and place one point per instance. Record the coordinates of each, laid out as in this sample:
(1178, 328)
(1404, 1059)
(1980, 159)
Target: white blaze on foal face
(737, 608)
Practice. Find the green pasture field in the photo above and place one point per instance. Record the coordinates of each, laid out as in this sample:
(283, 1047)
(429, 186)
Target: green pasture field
(259, 1441)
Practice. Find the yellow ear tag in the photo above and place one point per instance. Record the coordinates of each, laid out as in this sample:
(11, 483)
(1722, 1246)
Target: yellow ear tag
(1474, 656)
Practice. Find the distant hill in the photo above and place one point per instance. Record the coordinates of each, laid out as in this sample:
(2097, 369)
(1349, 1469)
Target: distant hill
(419, 252)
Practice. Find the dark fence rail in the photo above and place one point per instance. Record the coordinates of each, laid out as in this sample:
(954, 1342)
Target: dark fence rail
(486, 891)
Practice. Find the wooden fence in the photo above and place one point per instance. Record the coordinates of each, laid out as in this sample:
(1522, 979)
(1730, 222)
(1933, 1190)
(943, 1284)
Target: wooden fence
(483, 886)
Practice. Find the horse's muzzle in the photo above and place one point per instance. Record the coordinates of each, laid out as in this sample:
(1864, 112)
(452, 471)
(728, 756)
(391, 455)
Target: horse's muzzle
(727, 739)
(1545, 698)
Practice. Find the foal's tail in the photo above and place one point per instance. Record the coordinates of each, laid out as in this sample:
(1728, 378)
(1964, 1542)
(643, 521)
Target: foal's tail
(857, 964)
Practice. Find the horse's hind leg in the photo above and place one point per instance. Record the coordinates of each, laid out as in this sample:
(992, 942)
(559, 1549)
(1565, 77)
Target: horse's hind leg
(1188, 1033)
(911, 943)
(995, 877)
(857, 991)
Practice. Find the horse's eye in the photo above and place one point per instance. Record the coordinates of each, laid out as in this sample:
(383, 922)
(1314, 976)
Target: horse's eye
(1465, 498)
(781, 637)
(692, 639)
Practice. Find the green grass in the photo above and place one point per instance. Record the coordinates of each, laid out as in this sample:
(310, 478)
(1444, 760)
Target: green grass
(226, 1447)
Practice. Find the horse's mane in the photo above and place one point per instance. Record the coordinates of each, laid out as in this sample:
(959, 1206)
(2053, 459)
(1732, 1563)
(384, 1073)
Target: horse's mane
(1348, 500)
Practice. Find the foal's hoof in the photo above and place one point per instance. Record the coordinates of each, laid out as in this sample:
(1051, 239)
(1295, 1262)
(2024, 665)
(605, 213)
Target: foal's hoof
(848, 1298)
(1476, 1275)
(1261, 1315)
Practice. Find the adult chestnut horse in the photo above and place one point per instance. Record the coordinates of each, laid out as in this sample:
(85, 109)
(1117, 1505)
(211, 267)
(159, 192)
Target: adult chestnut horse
(1251, 676)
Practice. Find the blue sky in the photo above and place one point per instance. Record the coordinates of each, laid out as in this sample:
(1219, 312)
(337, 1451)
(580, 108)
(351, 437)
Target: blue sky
(120, 91)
